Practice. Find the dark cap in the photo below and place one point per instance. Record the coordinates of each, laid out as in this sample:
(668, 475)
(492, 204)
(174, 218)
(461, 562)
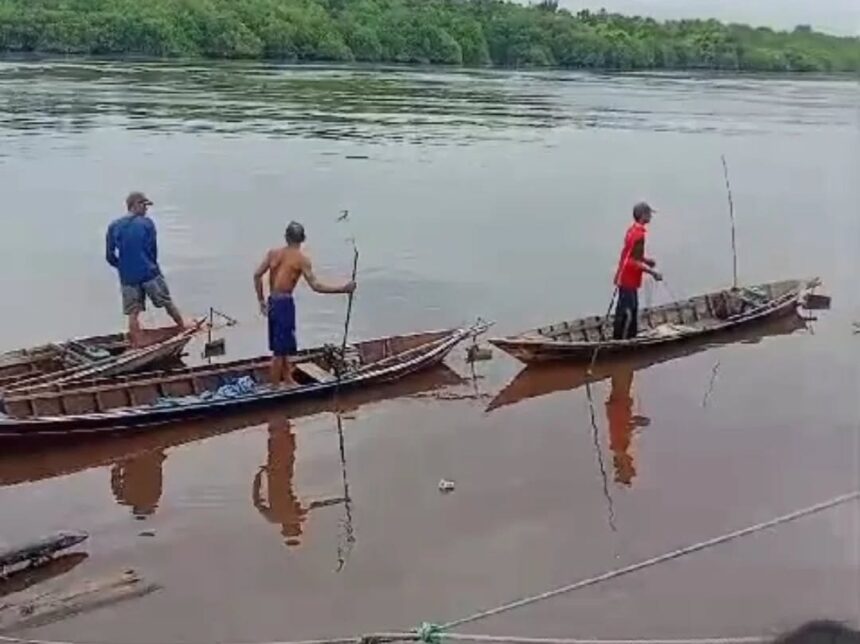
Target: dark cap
(295, 233)
(641, 209)
(135, 198)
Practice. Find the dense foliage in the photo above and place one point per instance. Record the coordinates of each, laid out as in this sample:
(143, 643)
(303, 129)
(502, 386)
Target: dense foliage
(456, 32)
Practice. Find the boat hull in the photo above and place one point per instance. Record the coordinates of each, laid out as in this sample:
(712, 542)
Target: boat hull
(18, 430)
(538, 347)
(55, 363)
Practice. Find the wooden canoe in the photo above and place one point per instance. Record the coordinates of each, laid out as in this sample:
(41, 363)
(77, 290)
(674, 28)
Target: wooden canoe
(82, 408)
(104, 354)
(543, 379)
(42, 460)
(696, 317)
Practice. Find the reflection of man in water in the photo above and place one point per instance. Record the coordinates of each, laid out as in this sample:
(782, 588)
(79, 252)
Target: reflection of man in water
(137, 482)
(619, 415)
(282, 505)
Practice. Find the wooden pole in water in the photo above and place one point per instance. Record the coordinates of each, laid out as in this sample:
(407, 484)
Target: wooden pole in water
(344, 548)
(732, 219)
(349, 302)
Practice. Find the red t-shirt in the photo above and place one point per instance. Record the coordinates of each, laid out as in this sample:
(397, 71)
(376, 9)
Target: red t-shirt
(629, 273)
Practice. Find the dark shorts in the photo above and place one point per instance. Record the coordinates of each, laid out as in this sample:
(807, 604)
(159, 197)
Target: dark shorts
(626, 323)
(282, 325)
(134, 296)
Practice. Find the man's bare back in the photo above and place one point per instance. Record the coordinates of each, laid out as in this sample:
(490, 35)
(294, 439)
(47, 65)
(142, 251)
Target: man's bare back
(286, 266)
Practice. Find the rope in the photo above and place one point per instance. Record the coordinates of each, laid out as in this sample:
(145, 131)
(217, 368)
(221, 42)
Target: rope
(434, 633)
(675, 554)
(563, 640)
(435, 630)
(381, 638)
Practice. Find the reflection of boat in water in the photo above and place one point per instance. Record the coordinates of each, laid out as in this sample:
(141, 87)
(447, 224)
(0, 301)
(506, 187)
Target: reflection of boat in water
(539, 380)
(25, 465)
(679, 322)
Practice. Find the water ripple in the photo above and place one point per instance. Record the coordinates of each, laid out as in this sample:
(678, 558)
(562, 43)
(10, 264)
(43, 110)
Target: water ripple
(410, 105)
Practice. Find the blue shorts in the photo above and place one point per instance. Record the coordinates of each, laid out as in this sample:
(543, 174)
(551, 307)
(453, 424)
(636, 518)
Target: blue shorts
(282, 325)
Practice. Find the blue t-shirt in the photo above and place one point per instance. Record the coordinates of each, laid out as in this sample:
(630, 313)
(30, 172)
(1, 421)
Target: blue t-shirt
(132, 249)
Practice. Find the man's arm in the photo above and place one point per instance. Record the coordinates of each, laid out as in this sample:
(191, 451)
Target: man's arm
(262, 269)
(110, 246)
(152, 242)
(319, 287)
(646, 264)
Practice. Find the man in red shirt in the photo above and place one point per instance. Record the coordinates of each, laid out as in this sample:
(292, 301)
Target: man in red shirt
(628, 278)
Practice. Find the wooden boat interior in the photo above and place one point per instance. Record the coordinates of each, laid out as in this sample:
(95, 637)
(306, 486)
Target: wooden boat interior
(315, 366)
(692, 315)
(54, 357)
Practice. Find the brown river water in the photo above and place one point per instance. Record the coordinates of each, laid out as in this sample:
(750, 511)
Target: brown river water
(495, 194)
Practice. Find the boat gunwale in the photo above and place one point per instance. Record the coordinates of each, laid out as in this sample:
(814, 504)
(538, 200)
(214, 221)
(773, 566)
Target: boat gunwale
(768, 308)
(74, 374)
(12, 427)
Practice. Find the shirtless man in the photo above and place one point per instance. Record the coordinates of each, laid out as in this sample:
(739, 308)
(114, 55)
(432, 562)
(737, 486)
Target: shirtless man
(286, 266)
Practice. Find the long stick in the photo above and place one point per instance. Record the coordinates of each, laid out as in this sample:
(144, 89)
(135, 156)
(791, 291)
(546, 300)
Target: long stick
(732, 218)
(349, 303)
(343, 549)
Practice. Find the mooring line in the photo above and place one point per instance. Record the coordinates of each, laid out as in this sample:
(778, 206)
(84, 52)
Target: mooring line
(435, 634)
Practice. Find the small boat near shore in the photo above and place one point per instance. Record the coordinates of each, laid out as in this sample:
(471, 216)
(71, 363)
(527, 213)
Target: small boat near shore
(54, 410)
(105, 355)
(696, 317)
(543, 379)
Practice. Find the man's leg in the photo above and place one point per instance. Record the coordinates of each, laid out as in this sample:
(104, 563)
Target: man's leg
(277, 371)
(174, 313)
(633, 328)
(133, 303)
(135, 335)
(289, 381)
(622, 315)
(159, 294)
(282, 372)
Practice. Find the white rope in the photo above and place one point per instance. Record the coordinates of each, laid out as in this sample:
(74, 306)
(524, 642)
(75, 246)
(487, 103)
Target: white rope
(463, 637)
(675, 554)
(542, 640)
(497, 639)
(516, 639)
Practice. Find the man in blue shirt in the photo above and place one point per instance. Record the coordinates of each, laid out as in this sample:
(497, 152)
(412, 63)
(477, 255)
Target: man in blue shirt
(132, 249)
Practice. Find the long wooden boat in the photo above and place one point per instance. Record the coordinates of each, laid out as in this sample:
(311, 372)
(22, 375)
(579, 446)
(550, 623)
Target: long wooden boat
(543, 379)
(108, 405)
(42, 459)
(696, 317)
(103, 354)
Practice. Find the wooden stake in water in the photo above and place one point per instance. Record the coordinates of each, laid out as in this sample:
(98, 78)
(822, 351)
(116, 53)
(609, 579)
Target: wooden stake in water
(732, 218)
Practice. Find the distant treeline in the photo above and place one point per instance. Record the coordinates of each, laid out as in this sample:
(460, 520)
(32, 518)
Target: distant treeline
(452, 32)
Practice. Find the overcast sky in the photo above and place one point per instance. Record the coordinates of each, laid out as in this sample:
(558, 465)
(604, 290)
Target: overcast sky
(834, 16)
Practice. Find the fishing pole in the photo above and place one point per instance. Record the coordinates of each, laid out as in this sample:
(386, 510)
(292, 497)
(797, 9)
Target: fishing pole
(732, 219)
(343, 549)
(349, 302)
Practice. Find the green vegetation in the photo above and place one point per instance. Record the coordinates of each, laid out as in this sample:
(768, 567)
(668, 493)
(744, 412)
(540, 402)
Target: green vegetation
(454, 32)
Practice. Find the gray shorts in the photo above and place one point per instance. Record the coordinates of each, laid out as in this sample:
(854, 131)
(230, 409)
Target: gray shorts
(134, 296)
